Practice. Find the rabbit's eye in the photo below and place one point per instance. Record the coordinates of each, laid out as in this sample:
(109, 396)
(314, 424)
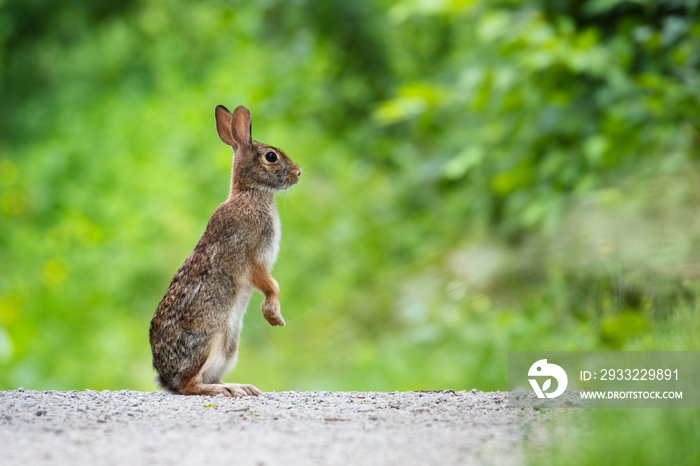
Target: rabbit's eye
(271, 157)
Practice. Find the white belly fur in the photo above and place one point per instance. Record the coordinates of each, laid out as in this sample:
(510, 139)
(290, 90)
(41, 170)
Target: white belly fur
(221, 360)
(268, 255)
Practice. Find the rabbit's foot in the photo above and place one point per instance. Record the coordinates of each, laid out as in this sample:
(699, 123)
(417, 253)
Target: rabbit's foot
(271, 312)
(234, 390)
(239, 389)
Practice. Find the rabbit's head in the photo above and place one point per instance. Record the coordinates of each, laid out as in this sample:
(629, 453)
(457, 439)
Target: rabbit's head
(256, 165)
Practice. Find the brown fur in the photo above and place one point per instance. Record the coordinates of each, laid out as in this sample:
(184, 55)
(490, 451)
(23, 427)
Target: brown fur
(195, 330)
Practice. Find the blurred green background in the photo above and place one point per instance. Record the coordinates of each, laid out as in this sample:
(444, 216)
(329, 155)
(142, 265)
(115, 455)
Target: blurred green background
(479, 177)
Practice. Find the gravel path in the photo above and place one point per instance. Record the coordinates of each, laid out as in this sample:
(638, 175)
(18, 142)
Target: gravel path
(287, 428)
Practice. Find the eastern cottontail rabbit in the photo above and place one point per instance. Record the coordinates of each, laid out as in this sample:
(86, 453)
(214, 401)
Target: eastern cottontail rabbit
(194, 332)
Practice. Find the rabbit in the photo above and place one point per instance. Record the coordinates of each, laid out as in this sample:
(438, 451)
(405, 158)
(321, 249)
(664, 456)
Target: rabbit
(195, 330)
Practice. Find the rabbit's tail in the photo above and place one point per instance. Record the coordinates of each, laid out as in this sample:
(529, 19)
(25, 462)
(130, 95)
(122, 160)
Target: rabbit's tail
(166, 385)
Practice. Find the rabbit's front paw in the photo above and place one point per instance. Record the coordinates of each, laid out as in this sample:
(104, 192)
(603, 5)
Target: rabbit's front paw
(271, 312)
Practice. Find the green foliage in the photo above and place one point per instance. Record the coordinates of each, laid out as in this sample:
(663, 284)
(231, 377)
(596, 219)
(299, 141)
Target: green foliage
(473, 171)
(628, 437)
(479, 177)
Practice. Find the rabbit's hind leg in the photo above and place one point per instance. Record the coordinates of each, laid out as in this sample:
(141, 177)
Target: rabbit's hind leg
(207, 380)
(194, 386)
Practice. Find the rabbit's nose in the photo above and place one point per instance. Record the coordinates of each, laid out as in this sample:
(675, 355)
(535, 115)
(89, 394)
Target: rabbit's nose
(298, 173)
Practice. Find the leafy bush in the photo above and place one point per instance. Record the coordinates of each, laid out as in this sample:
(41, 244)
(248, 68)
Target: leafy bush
(479, 177)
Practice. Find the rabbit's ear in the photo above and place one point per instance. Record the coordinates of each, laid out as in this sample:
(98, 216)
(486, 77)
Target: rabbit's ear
(223, 124)
(241, 127)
